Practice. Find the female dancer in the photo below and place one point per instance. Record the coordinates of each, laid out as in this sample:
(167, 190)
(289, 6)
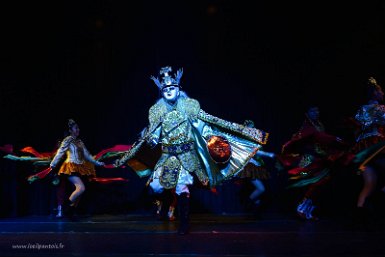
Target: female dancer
(79, 164)
(42, 159)
(309, 157)
(370, 146)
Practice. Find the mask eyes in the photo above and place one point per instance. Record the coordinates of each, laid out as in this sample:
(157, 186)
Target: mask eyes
(168, 89)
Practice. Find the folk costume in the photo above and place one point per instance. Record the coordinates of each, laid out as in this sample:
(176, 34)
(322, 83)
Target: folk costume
(188, 142)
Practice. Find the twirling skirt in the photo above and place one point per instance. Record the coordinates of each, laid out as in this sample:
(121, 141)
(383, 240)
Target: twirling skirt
(70, 168)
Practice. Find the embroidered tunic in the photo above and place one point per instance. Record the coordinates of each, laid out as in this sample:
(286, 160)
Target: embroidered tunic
(78, 160)
(183, 130)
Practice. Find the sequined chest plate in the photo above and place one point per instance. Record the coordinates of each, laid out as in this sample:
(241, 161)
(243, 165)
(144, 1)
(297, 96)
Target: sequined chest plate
(175, 128)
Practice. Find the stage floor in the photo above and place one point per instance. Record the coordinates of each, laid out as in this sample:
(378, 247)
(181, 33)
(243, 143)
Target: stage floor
(211, 235)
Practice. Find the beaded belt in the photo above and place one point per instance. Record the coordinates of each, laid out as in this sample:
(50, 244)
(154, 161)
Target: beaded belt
(178, 149)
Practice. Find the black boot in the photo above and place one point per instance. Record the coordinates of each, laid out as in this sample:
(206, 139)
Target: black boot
(184, 213)
(69, 209)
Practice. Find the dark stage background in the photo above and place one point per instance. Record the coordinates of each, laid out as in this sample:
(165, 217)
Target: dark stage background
(92, 61)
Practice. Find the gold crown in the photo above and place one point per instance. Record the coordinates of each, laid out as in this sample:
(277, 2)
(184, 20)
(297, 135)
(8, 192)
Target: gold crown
(373, 82)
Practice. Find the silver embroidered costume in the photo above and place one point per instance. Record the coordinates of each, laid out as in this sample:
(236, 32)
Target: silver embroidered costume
(370, 117)
(183, 129)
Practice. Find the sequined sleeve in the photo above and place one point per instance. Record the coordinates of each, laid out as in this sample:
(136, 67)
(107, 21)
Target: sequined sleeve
(368, 115)
(155, 115)
(61, 151)
(88, 156)
(148, 135)
(130, 153)
(253, 134)
(363, 116)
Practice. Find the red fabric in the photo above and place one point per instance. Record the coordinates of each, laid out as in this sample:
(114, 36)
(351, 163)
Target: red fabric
(108, 180)
(116, 148)
(308, 134)
(214, 190)
(40, 175)
(315, 165)
(31, 150)
(312, 144)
